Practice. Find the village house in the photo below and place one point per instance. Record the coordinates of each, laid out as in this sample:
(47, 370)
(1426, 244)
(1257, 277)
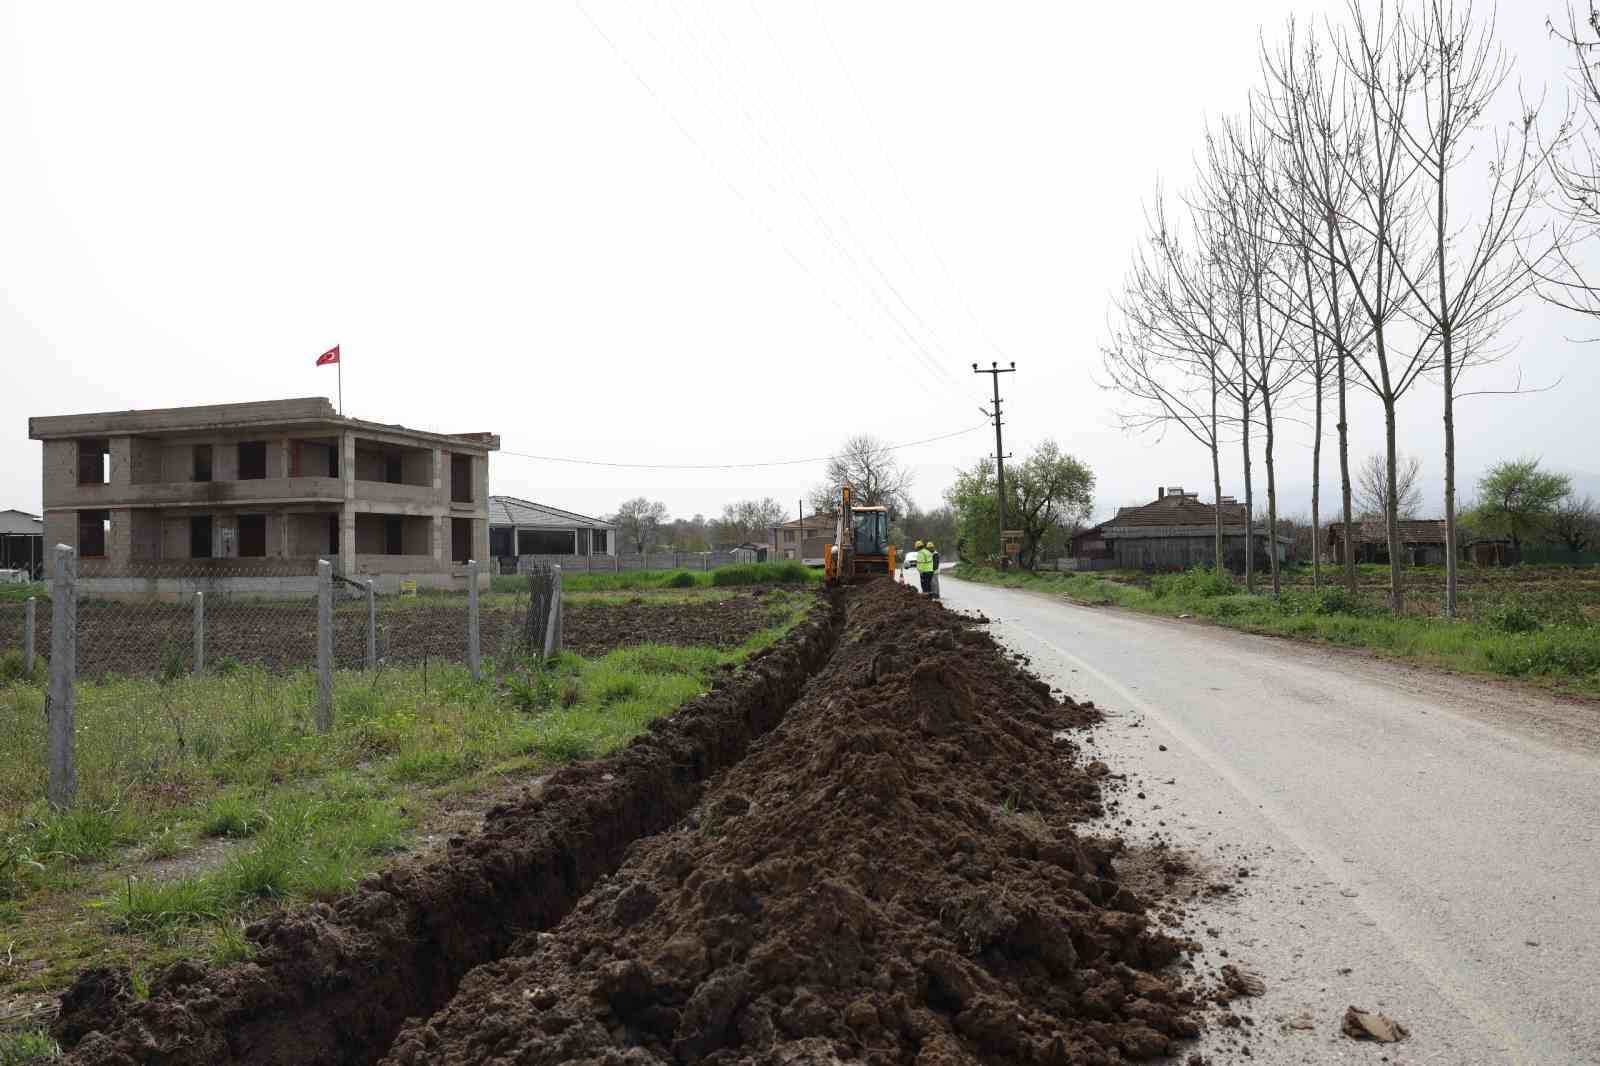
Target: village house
(1173, 532)
(1422, 543)
(251, 495)
(803, 539)
(521, 527)
(21, 543)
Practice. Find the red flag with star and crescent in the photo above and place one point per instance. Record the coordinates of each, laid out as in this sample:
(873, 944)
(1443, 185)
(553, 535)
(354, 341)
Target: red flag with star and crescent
(329, 356)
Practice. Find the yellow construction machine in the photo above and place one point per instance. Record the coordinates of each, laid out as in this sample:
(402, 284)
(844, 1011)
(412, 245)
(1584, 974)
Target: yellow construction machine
(860, 543)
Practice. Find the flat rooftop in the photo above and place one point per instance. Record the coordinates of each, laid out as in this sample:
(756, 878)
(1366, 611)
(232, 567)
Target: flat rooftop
(300, 413)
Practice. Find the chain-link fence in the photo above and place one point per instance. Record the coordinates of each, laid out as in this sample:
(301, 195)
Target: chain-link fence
(162, 622)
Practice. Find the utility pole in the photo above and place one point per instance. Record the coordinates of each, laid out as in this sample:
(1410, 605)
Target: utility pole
(1000, 457)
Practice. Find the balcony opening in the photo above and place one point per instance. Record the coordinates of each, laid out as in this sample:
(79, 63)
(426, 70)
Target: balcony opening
(252, 536)
(314, 458)
(252, 460)
(333, 534)
(94, 530)
(461, 540)
(202, 462)
(461, 479)
(394, 535)
(394, 464)
(94, 461)
(200, 539)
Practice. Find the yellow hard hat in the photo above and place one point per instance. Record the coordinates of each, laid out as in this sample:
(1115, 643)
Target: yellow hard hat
(919, 544)
(930, 544)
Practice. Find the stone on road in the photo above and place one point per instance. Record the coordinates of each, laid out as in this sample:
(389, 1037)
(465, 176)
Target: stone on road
(1420, 844)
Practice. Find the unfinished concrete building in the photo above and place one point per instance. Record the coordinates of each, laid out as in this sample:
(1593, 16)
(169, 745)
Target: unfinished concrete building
(256, 493)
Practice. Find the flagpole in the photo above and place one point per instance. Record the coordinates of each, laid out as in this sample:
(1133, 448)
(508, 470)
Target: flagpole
(340, 365)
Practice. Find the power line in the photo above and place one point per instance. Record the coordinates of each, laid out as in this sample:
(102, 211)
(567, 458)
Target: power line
(732, 466)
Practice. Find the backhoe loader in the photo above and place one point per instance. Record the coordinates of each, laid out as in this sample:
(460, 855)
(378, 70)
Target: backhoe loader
(861, 543)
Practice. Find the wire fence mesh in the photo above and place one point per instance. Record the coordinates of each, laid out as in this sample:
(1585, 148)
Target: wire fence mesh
(147, 636)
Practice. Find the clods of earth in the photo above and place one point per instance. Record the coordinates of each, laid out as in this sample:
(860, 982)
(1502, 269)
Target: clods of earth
(866, 846)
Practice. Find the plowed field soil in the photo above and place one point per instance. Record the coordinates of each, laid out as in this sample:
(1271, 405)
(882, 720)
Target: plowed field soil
(894, 873)
(139, 639)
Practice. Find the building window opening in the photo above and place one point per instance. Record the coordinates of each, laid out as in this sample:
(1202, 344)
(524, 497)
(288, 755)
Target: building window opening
(461, 540)
(94, 529)
(393, 470)
(461, 479)
(200, 536)
(333, 534)
(252, 460)
(393, 535)
(252, 536)
(202, 462)
(94, 461)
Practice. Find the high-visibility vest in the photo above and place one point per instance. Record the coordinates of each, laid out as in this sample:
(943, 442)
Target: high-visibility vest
(925, 561)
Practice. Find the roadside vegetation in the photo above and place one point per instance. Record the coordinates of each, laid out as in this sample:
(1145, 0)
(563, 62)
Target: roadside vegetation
(737, 575)
(204, 801)
(1539, 624)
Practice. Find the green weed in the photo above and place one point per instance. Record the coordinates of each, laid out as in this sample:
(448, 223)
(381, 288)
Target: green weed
(27, 1047)
(144, 906)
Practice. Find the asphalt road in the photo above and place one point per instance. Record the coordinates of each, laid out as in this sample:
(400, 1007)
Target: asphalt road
(1415, 843)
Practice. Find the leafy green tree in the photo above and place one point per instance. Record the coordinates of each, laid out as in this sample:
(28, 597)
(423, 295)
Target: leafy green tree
(1046, 495)
(1518, 500)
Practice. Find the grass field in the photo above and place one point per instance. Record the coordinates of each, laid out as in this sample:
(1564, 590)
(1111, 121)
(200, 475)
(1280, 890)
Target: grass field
(203, 800)
(1539, 623)
(739, 574)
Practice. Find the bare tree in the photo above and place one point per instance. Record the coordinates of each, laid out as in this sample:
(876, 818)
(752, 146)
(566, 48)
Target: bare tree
(749, 520)
(1373, 486)
(1576, 523)
(1573, 165)
(1379, 227)
(872, 471)
(1477, 265)
(1307, 106)
(1168, 358)
(1237, 188)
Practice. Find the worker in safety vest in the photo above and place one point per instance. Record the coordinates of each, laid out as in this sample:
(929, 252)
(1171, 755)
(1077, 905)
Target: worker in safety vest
(925, 568)
(933, 576)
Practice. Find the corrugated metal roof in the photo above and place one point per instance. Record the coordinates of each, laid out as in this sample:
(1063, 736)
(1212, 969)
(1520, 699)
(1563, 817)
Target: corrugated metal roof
(510, 511)
(20, 524)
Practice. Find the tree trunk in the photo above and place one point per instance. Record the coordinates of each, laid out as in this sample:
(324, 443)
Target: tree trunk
(1320, 373)
(1216, 473)
(1449, 487)
(1249, 505)
(1391, 508)
(1336, 310)
(1272, 499)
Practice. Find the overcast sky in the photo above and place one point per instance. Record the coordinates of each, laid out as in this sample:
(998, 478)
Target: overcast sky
(672, 234)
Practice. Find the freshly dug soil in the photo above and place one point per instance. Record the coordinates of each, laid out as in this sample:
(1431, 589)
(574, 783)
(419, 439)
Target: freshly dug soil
(140, 639)
(891, 876)
(333, 984)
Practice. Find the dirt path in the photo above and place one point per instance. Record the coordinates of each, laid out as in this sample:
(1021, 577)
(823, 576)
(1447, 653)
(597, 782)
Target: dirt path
(1413, 841)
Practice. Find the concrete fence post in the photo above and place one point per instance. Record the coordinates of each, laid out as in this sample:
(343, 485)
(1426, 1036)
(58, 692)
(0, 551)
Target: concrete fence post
(30, 631)
(324, 645)
(552, 629)
(199, 633)
(372, 624)
(63, 678)
(472, 619)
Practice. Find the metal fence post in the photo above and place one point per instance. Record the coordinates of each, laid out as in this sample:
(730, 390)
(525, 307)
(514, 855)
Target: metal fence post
(29, 631)
(552, 629)
(324, 645)
(472, 618)
(63, 678)
(199, 632)
(372, 625)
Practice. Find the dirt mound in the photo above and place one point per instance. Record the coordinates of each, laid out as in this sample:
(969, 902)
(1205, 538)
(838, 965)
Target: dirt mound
(890, 876)
(333, 984)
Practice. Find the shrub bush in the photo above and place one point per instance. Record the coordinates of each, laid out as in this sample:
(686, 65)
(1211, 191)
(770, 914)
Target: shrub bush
(680, 580)
(1511, 616)
(784, 573)
(1336, 599)
(1197, 581)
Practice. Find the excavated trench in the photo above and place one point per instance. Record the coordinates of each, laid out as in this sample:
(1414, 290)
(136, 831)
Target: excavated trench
(864, 847)
(331, 985)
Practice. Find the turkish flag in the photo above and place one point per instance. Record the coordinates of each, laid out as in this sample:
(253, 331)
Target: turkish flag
(329, 356)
